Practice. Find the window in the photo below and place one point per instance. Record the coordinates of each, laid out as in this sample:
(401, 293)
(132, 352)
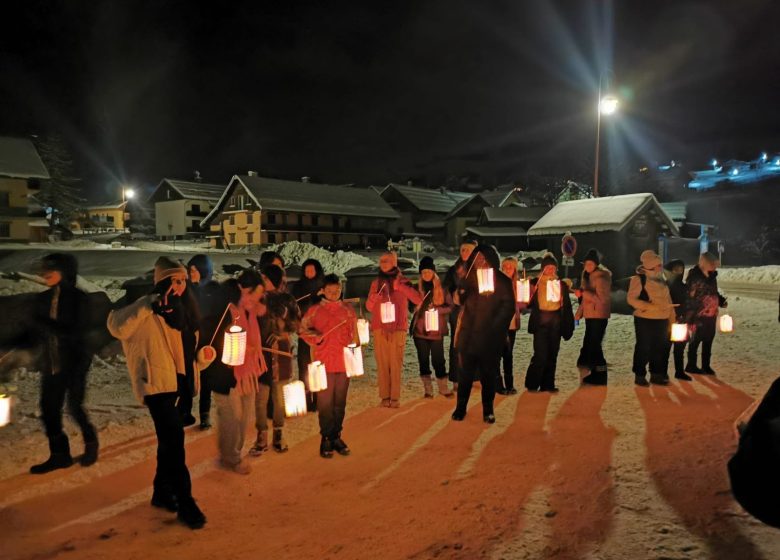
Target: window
(271, 218)
(195, 208)
(232, 219)
(271, 238)
(250, 237)
(315, 220)
(195, 225)
(249, 218)
(232, 238)
(110, 219)
(241, 202)
(4, 199)
(5, 229)
(315, 239)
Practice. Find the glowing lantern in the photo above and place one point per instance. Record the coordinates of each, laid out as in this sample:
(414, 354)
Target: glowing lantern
(5, 410)
(553, 291)
(485, 280)
(432, 320)
(388, 312)
(234, 347)
(726, 323)
(353, 360)
(316, 377)
(523, 290)
(294, 399)
(679, 332)
(363, 331)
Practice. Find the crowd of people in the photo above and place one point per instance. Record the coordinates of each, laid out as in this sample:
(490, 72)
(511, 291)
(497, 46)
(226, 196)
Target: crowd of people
(170, 338)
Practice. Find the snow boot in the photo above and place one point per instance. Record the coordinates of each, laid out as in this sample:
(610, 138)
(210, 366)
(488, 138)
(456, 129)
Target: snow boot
(428, 386)
(90, 456)
(261, 444)
(339, 446)
(280, 445)
(190, 514)
(326, 448)
(444, 390)
(59, 456)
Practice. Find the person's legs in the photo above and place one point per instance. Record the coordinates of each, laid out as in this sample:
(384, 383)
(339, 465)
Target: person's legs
(508, 361)
(641, 347)
(229, 440)
(693, 348)
(489, 365)
(341, 383)
(204, 402)
(659, 351)
(553, 334)
(77, 387)
(454, 365)
(465, 380)
(598, 366)
(423, 347)
(538, 364)
(382, 352)
(326, 406)
(261, 399)
(172, 474)
(396, 366)
(277, 395)
(53, 388)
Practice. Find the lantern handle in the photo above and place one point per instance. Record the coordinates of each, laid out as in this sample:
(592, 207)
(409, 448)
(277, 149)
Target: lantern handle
(216, 329)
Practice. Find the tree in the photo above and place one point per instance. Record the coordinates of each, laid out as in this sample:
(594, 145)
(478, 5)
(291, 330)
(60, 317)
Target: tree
(59, 196)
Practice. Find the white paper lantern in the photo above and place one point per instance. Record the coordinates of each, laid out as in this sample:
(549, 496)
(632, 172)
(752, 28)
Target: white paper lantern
(294, 399)
(523, 290)
(726, 323)
(387, 312)
(432, 320)
(553, 291)
(316, 377)
(679, 332)
(353, 360)
(5, 410)
(485, 280)
(363, 329)
(234, 347)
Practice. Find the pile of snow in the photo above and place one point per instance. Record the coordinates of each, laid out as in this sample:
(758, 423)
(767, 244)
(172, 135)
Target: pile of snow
(753, 275)
(295, 252)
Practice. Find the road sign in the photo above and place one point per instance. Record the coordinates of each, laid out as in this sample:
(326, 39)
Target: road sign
(567, 261)
(568, 245)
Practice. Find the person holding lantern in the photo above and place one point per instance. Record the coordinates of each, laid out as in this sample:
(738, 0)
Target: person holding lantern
(61, 313)
(702, 308)
(306, 292)
(388, 302)
(488, 308)
(329, 327)
(649, 295)
(675, 270)
(452, 283)
(150, 330)
(428, 328)
(594, 296)
(506, 385)
(551, 319)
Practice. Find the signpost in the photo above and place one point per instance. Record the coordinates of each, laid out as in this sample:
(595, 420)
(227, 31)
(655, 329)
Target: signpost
(721, 250)
(568, 249)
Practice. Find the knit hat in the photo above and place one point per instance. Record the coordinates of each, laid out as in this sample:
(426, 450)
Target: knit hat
(165, 268)
(549, 259)
(204, 265)
(426, 263)
(650, 259)
(592, 255)
(274, 274)
(64, 263)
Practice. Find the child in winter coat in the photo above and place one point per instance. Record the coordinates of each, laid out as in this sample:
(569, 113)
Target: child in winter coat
(61, 315)
(551, 319)
(390, 287)
(702, 308)
(595, 307)
(430, 343)
(674, 274)
(328, 327)
(649, 295)
(506, 385)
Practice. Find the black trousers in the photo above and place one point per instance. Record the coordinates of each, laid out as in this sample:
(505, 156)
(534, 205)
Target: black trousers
(704, 334)
(508, 381)
(547, 343)
(204, 402)
(454, 359)
(186, 389)
(652, 346)
(679, 356)
(68, 385)
(332, 405)
(592, 354)
(431, 351)
(171, 474)
(472, 366)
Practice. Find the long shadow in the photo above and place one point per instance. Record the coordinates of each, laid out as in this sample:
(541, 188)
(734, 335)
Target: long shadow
(582, 486)
(688, 444)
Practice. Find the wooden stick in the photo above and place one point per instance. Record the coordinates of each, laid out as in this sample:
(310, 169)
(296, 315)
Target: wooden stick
(273, 351)
(334, 328)
(218, 325)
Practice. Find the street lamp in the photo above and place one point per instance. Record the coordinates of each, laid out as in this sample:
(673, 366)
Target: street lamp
(608, 105)
(127, 193)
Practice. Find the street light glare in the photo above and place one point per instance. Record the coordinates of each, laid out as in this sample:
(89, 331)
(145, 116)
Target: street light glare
(608, 105)
(129, 193)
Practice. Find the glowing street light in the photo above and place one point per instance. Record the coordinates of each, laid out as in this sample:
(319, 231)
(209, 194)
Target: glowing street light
(127, 193)
(608, 105)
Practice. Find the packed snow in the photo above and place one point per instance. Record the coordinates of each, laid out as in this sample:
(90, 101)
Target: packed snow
(768, 275)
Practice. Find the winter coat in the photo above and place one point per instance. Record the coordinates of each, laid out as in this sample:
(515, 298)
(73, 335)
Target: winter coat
(596, 288)
(703, 297)
(565, 310)
(417, 326)
(153, 350)
(320, 319)
(484, 319)
(277, 325)
(63, 337)
(655, 302)
(396, 289)
(679, 293)
(306, 291)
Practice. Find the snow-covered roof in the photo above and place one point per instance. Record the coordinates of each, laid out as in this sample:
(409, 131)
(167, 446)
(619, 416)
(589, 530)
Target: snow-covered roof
(192, 190)
(20, 159)
(427, 200)
(677, 211)
(512, 214)
(496, 231)
(609, 213)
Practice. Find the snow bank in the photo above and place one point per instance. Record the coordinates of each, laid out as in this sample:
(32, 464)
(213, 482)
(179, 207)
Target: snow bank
(753, 275)
(295, 252)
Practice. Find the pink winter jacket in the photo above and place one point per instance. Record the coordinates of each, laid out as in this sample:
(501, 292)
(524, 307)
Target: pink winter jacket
(400, 295)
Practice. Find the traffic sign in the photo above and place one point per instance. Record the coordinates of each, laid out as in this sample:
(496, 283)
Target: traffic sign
(568, 245)
(567, 261)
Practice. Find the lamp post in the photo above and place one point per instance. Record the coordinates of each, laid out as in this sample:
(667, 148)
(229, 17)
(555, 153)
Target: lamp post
(607, 105)
(127, 194)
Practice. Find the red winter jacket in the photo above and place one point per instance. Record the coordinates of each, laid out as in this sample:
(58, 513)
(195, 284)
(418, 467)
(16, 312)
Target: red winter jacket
(396, 289)
(319, 320)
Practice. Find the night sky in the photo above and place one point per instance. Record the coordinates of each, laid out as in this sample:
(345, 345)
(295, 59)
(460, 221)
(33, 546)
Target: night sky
(372, 92)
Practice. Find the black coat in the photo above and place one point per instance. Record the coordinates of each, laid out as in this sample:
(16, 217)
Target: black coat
(484, 319)
(703, 297)
(679, 292)
(68, 331)
(567, 315)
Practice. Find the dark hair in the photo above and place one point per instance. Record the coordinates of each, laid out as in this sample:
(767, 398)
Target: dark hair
(331, 279)
(64, 263)
(268, 257)
(249, 279)
(319, 272)
(274, 274)
(204, 265)
(231, 291)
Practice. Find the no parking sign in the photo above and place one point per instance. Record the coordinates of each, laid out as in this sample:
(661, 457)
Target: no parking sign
(568, 245)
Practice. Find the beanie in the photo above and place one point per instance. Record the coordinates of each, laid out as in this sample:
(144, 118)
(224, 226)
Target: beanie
(592, 255)
(204, 265)
(166, 267)
(649, 259)
(549, 259)
(426, 263)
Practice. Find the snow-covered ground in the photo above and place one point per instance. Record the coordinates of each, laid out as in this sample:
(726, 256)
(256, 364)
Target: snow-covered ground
(769, 275)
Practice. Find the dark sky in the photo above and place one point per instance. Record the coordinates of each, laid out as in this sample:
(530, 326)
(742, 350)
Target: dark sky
(373, 92)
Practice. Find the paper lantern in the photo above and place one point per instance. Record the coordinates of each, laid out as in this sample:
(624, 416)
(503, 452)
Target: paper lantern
(363, 330)
(554, 291)
(726, 323)
(432, 320)
(316, 377)
(679, 332)
(485, 280)
(523, 290)
(294, 399)
(387, 312)
(353, 360)
(5, 410)
(234, 347)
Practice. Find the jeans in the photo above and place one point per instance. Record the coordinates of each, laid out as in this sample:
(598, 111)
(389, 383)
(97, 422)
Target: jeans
(592, 354)
(275, 391)
(332, 405)
(234, 412)
(431, 351)
(171, 475)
